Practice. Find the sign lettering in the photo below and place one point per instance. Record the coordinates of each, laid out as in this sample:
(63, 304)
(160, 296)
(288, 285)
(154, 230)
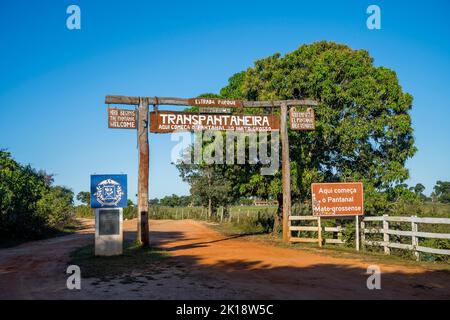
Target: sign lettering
(337, 199)
(214, 102)
(169, 121)
(302, 121)
(121, 118)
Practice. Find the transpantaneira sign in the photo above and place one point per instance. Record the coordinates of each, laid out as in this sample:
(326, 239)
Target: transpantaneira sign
(121, 118)
(337, 199)
(169, 121)
(302, 120)
(214, 102)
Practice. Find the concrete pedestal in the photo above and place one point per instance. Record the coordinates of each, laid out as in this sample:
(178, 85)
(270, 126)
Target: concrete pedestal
(108, 232)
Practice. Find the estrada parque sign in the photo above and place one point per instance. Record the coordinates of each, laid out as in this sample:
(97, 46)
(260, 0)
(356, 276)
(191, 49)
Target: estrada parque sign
(211, 102)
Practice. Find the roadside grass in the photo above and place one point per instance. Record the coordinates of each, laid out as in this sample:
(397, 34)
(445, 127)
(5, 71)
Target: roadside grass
(336, 251)
(134, 261)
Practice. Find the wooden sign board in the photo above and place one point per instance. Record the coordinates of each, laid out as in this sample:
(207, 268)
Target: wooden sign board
(170, 121)
(337, 199)
(214, 102)
(215, 110)
(302, 121)
(121, 118)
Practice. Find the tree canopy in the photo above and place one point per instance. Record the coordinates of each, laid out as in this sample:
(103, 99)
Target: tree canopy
(363, 126)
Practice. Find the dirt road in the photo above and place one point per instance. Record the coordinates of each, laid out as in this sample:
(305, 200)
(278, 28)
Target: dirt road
(207, 265)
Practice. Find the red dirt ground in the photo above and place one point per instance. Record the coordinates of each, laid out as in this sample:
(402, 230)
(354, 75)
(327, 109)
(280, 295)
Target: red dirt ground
(207, 265)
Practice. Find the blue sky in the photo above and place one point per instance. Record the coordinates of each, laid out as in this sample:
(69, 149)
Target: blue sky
(53, 80)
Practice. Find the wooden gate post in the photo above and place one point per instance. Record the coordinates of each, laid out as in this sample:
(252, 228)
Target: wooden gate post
(286, 172)
(357, 232)
(143, 127)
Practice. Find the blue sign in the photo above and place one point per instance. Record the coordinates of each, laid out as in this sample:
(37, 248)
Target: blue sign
(109, 191)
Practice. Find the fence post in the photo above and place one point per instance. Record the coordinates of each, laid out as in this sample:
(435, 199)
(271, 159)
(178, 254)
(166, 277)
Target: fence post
(339, 229)
(414, 239)
(363, 234)
(386, 235)
(221, 214)
(319, 230)
(357, 232)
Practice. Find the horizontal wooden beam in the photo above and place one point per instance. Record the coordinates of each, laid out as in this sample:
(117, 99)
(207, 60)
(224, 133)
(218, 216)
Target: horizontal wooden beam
(185, 102)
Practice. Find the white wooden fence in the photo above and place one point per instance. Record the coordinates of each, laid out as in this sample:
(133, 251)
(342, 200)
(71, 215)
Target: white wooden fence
(317, 229)
(376, 225)
(383, 227)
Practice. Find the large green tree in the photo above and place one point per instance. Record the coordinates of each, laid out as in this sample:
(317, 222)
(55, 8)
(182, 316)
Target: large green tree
(363, 127)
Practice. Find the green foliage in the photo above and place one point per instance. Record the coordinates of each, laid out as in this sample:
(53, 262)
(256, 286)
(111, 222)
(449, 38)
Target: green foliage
(130, 212)
(175, 201)
(56, 206)
(84, 211)
(84, 197)
(30, 207)
(363, 127)
(441, 191)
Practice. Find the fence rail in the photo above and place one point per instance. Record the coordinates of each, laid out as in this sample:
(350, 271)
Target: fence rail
(384, 229)
(317, 229)
(413, 233)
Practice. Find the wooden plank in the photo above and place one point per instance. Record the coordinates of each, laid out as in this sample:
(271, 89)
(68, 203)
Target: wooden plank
(376, 243)
(386, 235)
(143, 228)
(308, 240)
(410, 219)
(397, 219)
(320, 232)
(117, 99)
(286, 172)
(433, 250)
(409, 233)
(302, 218)
(380, 218)
(357, 232)
(334, 229)
(400, 246)
(399, 232)
(432, 220)
(363, 235)
(414, 239)
(334, 241)
(432, 235)
(304, 228)
(374, 230)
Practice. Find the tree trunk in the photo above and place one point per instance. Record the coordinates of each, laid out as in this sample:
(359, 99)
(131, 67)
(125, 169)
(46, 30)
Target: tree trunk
(278, 215)
(209, 208)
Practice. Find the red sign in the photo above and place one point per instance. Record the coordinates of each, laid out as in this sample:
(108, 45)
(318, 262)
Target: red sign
(121, 118)
(214, 102)
(169, 121)
(302, 121)
(337, 199)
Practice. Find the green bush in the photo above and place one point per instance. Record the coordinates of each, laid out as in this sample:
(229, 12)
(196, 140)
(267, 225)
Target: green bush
(30, 207)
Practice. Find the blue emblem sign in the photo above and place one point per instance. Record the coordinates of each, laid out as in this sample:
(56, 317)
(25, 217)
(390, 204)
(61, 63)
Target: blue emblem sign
(109, 191)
